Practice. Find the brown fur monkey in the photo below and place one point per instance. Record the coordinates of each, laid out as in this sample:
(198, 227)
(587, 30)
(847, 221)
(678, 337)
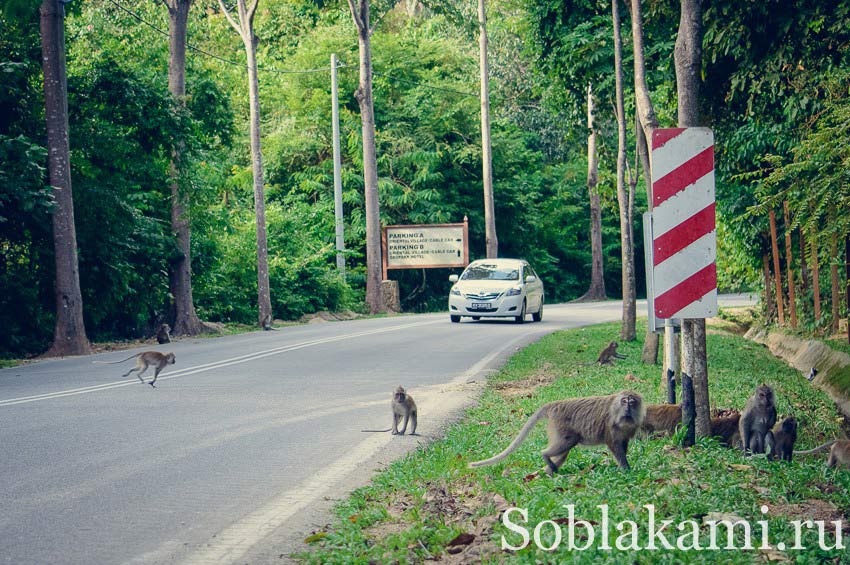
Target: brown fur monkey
(607, 356)
(163, 334)
(611, 420)
(403, 406)
(661, 419)
(839, 455)
(784, 437)
(146, 359)
(757, 420)
(726, 429)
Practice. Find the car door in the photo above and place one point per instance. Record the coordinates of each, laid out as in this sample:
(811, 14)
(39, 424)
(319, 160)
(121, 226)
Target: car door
(534, 290)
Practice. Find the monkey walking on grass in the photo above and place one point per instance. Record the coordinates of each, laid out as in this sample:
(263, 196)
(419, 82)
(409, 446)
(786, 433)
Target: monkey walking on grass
(145, 359)
(611, 420)
(403, 406)
(839, 455)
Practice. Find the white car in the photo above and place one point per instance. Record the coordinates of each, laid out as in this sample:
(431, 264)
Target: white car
(496, 288)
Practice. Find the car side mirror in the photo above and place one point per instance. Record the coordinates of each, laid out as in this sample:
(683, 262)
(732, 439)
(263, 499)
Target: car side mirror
(453, 278)
(530, 279)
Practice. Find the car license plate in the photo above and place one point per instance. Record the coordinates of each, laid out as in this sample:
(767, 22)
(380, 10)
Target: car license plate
(479, 306)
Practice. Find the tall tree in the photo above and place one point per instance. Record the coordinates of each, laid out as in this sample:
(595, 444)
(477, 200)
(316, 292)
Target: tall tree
(374, 294)
(647, 122)
(186, 321)
(688, 61)
(624, 199)
(69, 336)
(486, 155)
(245, 28)
(596, 290)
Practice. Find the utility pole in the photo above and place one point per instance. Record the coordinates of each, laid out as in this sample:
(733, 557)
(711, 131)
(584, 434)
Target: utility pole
(340, 240)
(486, 155)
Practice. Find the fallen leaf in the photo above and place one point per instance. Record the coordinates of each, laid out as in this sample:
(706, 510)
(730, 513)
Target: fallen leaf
(773, 555)
(318, 536)
(531, 476)
(737, 467)
(462, 539)
(484, 423)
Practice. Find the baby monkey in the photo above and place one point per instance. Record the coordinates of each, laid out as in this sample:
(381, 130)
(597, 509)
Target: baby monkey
(146, 359)
(403, 406)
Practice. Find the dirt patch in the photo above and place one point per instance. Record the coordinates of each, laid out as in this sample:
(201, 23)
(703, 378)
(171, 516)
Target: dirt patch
(525, 388)
(812, 509)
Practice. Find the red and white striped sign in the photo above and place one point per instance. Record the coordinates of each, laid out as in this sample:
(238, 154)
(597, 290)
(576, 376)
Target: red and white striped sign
(684, 237)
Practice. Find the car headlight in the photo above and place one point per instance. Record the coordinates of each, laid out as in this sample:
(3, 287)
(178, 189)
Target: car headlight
(514, 292)
(455, 292)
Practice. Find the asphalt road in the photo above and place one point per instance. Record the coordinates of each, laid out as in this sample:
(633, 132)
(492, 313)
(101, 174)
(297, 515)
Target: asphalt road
(233, 457)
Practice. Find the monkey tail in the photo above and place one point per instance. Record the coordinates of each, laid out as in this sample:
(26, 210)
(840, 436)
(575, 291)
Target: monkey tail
(542, 412)
(388, 429)
(116, 362)
(817, 449)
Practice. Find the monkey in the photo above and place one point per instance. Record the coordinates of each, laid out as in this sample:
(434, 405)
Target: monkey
(812, 374)
(403, 406)
(611, 420)
(267, 323)
(609, 354)
(839, 455)
(163, 335)
(784, 437)
(661, 418)
(757, 421)
(726, 429)
(145, 359)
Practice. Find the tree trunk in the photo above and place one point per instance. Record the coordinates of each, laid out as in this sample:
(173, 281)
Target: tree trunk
(792, 296)
(847, 281)
(245, 28)
(833, 279)
(649, 355)
(374, 297)
(69, 335)
(813, 240)
(186, 321)
(596, 291)
(627, 332)
(486, 154)
(768, 296)
(688, 61)
(777, 272)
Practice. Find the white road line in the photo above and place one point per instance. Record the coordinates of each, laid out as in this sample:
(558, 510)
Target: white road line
(209, 366)
(229, 545)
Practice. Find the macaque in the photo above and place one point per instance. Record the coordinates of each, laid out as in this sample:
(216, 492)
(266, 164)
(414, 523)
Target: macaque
(163, 334)
(403, 406)
(609, 354)
(661, 419)
(611, 420)
(146, 359)
(726, 429)
(757, 420)
(784, 437)
(839, 455)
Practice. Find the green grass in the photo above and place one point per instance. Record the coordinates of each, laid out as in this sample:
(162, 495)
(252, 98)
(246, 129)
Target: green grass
(414, 509)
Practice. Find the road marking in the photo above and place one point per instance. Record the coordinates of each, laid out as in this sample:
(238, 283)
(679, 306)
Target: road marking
(232, 543)
(210, 366)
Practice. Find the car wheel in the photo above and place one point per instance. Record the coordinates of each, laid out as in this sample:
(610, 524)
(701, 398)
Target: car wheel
(455, 319)
(537, 316)
(521, 318)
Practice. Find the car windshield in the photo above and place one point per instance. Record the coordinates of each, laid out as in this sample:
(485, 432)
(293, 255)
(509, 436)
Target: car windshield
(491, 272)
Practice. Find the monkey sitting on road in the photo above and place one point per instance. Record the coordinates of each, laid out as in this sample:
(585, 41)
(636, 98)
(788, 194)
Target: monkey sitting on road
(607, 356)
(611, 420)
(839, 455)
(145, 359)
(403, 406)
(784, 437)
(163, 334)
(757, 421)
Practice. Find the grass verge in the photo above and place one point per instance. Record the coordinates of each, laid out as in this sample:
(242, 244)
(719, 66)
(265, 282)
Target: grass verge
(430, 506)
